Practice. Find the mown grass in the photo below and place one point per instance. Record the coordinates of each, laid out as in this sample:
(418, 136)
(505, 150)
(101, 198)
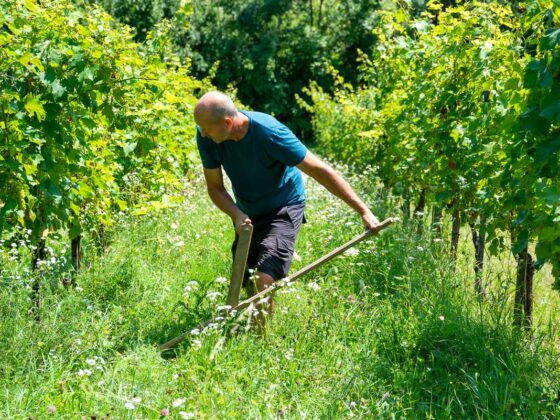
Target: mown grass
(389, 331)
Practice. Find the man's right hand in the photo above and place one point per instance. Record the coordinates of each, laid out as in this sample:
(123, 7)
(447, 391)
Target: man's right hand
(241, 220)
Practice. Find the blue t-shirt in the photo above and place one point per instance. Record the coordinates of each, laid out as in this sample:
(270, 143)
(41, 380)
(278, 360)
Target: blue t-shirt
(260, 166)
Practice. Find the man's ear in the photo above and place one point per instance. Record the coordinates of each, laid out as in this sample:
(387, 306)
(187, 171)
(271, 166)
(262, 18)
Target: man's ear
(229, 122)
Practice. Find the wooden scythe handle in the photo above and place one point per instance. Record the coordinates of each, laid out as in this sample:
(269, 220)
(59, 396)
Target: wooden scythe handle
(282, 283)
(239, 264)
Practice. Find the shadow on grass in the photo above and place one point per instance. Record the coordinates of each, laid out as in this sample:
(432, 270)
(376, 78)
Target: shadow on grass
(459, 367)
(448, 365)
(431, 352)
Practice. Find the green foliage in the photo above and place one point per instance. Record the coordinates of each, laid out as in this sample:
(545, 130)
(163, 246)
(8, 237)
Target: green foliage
(268, 50)
(142, 15)
(457, 109)
(89, 125)
(388, 333)
(540, 126)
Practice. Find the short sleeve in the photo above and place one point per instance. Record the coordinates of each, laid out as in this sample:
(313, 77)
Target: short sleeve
(207, 156)
(284, 146)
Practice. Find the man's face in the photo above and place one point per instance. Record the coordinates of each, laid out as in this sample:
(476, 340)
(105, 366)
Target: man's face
(217, 131)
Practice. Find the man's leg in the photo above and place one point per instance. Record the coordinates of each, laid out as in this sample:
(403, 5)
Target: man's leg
(276, 253)
(264, 281)
(257, 282)
(271, 252)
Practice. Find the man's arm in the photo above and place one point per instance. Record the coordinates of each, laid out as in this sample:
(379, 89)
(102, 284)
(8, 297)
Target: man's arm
(221, 198)
(325, 175)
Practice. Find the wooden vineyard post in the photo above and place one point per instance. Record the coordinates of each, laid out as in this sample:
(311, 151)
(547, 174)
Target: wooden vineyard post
(239, 264)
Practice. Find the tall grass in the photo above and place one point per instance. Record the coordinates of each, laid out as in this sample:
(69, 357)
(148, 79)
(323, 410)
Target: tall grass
(388, 330)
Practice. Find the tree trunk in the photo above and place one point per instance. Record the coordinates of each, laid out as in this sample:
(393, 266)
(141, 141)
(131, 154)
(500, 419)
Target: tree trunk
(437, 224)
(37, 255)
(455, 233)
(406, 206)
(479, 242)
(419, 212)
(523, 307)
(76, 257)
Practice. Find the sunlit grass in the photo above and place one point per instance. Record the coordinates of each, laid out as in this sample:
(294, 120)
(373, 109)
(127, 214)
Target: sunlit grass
(388, 330)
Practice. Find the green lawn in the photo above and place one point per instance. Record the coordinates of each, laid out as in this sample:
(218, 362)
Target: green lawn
(388, 331)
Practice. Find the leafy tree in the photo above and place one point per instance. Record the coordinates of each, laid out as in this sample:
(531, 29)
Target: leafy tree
(452, 110)
(269, 50)
(90, 125)
(142, 15)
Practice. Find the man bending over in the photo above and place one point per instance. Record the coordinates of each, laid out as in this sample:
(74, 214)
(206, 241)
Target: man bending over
(263, 160)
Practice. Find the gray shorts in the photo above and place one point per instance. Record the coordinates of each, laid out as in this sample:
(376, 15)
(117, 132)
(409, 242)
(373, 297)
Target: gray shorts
(272, 244)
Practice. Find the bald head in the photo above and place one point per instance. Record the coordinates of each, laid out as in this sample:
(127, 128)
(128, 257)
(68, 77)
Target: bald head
(214, 106)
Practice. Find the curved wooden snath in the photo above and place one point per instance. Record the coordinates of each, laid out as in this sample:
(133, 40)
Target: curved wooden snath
(281, 283)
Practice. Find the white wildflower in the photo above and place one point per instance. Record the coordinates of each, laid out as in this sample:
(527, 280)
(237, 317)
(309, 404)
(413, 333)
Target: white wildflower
(289, 354)
(212, 296)
(314, 286)
(84, 372)
(221, 280)
(352, 252)
(191, 285)
(178, 402)
(90, 362)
